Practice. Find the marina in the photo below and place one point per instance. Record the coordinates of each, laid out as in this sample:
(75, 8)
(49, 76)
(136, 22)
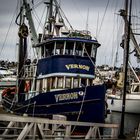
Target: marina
(60, 93)
(61, 79)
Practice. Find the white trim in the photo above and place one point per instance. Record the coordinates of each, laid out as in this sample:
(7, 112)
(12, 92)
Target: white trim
(66, 74)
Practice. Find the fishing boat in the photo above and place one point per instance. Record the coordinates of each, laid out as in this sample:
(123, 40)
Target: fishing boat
(60, 80)
(130, 97)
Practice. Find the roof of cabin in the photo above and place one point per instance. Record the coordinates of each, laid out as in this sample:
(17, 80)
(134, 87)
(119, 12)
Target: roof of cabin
(71, 39)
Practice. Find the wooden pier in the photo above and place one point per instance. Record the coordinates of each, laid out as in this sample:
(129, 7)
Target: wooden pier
(24, 127)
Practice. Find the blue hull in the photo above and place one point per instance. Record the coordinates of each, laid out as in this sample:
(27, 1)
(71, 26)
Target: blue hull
(81, 104)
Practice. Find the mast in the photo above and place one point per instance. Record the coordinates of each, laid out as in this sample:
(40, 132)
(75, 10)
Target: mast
(22, 54)
(126, 56)
(28, 15)
(50, 19)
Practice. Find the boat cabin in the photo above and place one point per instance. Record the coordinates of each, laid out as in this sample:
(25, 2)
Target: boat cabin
(65, 63)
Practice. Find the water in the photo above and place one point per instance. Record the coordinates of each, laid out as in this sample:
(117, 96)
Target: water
(130, 124)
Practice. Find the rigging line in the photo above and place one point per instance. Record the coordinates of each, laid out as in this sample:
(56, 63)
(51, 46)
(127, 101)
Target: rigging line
(100, 76)
(77, 8)
(36, 5)
(114, 50)
(97, 25)
(63, 14)
(103, 16)
(37, 19)
(7, 33)
(81, 107)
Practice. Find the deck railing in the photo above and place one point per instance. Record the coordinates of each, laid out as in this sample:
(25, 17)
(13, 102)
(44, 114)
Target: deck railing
(21, 127)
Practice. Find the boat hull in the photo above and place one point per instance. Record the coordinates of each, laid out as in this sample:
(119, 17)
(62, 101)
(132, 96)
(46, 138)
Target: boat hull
(81, 104)
(132, 105)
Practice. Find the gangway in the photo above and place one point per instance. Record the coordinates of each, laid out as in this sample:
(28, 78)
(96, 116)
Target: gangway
(23, 127)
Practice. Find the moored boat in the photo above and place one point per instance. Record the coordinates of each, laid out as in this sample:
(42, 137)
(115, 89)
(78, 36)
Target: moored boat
(125, 96)
(61, 80)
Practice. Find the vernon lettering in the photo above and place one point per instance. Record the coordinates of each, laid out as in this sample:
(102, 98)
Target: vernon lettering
(77, 66)
(68, 96)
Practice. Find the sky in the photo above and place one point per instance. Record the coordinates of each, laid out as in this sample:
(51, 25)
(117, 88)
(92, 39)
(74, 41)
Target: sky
(104, 23)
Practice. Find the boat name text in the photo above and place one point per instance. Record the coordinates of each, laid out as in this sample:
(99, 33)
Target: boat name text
(68, 96)
(77, 66)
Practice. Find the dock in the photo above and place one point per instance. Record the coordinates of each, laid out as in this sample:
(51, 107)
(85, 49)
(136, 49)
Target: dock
(25, 127)
(21, 127)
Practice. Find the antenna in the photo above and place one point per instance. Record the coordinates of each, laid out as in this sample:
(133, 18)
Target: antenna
(87, 20)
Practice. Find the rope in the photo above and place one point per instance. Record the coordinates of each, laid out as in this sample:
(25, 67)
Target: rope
(80, 108)
(93, 63)
(34, 109)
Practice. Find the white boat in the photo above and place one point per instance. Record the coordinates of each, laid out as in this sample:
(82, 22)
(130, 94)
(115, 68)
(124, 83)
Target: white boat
(132, 104)
(5, 72)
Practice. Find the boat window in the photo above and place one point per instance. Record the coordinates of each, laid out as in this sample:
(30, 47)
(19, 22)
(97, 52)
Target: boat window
(59, 48)
(93, 51)
(68, 82)
(49, 82)
(87, 50)
(49, 49)
(76, 83)
(90, 82)
(69, 48)
(83, 82)
(54, 80)
(42, 51)
(78, 50)
(39, 85)
(44, 84)
(60, 82)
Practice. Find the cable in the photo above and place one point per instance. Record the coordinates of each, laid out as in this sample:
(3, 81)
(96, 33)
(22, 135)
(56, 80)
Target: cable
(103, 16)
(63, 14)
(7, 33)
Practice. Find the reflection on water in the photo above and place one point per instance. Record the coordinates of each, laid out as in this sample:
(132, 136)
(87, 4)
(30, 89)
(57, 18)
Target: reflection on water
(130, 124)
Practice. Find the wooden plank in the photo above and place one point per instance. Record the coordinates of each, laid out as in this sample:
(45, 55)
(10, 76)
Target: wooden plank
(68, 131)
(41, 134)
(9, 125)
(40, 125)
(5, 117)
(25, 131)
(34, 131)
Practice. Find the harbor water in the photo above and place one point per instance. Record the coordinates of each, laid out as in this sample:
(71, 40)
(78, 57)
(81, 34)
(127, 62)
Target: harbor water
(131, 121)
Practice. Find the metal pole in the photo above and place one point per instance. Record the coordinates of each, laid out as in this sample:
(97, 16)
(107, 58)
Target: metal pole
(50, 16)
(121, 135)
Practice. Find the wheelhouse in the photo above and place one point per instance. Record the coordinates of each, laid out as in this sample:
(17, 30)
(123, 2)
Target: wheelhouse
(65, 63)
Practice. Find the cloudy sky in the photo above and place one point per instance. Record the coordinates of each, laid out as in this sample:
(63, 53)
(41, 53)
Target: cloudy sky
(103, 22)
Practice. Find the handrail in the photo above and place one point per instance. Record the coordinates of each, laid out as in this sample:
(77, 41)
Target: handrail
(29, 124)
